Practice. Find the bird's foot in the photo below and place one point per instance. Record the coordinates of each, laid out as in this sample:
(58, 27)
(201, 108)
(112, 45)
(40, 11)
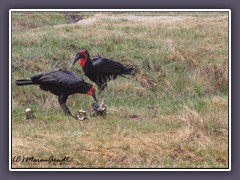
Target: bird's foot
(99, 109)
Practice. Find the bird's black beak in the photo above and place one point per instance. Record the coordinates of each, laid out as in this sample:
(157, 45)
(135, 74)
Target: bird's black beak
(94, 96)
(75, 60)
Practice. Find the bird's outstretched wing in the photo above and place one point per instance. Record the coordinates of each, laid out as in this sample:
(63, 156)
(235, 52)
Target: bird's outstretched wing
(61, 78)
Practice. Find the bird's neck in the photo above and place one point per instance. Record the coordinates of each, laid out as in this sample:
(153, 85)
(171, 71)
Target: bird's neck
(85, 88)
(84, 61)
(86, 66)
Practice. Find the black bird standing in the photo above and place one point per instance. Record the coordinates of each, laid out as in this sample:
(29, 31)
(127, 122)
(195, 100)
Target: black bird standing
(62, 84)
(101, 70)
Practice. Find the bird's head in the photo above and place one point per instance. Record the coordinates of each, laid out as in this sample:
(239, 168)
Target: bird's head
(92, 92)
(82, 56)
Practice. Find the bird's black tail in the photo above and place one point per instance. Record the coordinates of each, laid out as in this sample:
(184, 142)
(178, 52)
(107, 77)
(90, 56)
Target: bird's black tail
(128, 70)
(22, 82)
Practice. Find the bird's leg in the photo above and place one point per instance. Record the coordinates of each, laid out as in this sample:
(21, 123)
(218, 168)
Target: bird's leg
(104, 94)
(62, 101)
(102, 91)
(65, 109)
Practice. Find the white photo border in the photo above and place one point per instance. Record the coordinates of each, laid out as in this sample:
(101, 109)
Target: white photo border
(119, 169)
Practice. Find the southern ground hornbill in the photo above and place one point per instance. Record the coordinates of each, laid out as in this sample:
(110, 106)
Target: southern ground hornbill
(101, 70)
(62, 84)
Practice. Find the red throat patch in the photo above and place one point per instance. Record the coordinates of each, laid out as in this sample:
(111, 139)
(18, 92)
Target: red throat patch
(90, 92)
(82, 62)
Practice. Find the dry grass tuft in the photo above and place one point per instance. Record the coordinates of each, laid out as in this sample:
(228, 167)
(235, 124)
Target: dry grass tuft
(145, 80)
(192, 119)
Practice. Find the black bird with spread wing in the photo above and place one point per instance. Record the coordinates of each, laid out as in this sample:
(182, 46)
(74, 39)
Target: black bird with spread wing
(62, 84)
(101, 70)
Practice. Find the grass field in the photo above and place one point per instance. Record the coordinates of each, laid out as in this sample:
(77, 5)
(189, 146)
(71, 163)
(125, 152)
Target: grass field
(172, 113)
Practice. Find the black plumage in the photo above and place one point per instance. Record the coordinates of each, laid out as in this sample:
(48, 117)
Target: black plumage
(62, 84)
(101, 70)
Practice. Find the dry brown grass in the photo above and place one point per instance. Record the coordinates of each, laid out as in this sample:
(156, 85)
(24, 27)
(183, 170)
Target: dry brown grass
(192, 144)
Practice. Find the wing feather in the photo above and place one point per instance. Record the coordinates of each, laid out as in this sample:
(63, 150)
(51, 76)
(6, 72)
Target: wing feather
(61, 77)
(106, 66)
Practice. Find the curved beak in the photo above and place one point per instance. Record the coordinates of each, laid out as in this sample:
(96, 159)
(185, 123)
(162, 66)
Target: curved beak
(94, 96)
(75, 60)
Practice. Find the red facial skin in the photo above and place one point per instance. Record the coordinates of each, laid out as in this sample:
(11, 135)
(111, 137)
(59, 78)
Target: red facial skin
(82, 61)
(91, 91)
